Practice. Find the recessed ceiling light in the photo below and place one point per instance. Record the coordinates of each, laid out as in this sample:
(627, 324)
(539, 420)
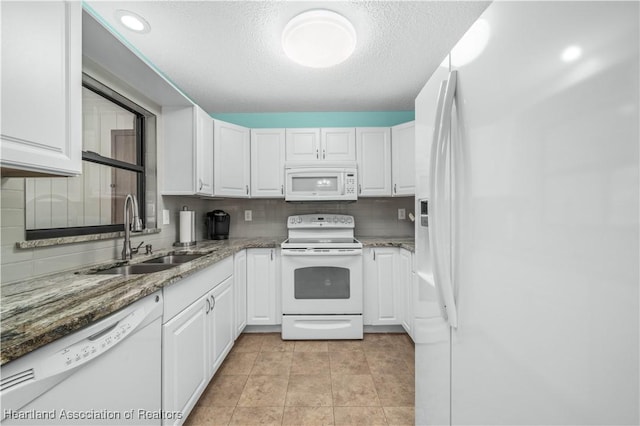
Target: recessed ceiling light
(571, 53)
(319, 38)
(133, 21)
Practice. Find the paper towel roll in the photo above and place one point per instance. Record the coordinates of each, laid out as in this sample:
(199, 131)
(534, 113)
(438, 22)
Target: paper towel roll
(187, 226)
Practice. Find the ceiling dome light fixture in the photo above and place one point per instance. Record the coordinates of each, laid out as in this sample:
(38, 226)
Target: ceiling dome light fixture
(319, 38)
(133, 21)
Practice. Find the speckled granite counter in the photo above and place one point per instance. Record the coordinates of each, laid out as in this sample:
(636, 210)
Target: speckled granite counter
(38, 311)
(401, 242)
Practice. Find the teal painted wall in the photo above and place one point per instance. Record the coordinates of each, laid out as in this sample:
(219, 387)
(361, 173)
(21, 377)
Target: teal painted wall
(317, 119)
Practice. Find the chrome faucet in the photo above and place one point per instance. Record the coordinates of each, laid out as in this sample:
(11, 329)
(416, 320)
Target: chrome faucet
(135, 225)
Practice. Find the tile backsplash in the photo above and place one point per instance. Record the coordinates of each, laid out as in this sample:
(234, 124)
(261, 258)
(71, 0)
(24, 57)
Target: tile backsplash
(374, 217)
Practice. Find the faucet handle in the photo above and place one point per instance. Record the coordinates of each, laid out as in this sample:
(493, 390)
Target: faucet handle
(135, 250)
(149, 249)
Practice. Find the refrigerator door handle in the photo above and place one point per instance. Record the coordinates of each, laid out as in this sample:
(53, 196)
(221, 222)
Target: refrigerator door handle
(441, 271)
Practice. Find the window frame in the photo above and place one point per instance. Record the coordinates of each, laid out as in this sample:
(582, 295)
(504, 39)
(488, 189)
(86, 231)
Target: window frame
(141, 115)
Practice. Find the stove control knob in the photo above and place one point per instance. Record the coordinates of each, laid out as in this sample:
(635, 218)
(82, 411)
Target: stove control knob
(335, 219)
(298, 219)
(342, 220)
(349, 220)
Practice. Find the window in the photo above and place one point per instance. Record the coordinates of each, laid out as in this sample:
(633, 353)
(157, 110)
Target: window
(116, 133)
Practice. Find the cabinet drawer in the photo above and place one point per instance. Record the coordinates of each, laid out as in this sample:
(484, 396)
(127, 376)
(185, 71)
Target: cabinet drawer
(183, 293)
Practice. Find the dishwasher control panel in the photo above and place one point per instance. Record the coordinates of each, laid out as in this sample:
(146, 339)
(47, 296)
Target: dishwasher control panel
(98, 343)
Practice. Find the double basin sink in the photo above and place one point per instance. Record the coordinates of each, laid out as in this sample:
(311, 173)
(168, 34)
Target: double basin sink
(161, 263)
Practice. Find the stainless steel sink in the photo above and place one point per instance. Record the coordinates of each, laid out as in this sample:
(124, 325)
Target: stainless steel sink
(173, 259)
(139, 268)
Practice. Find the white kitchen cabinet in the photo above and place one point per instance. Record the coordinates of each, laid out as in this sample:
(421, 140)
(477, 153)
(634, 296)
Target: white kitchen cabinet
(188, 151)
(240, 291)
(382, 294)
(374, 161)
(231, 160)
(318, 145)
(185, 356)
(264, 306)
(197, 334)
(221, 323)
(267, 163)
(41, 88)
(403, 159)
(405, 289)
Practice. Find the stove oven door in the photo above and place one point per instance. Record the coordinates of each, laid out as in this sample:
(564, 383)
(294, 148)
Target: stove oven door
(321, 281)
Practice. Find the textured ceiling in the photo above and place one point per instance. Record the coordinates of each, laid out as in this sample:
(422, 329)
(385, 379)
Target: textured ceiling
(226, 55)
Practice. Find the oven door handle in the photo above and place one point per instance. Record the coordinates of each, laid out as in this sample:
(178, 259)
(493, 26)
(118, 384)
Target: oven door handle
(321, 252)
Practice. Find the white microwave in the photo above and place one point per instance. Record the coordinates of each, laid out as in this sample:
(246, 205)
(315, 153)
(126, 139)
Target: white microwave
(325, 183)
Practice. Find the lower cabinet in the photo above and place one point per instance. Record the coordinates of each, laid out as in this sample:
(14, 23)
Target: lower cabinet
(240, 291)
(264, 306)
(197, 334)
(405, 276)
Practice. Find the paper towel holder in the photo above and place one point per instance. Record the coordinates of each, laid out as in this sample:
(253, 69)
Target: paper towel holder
(192, 218)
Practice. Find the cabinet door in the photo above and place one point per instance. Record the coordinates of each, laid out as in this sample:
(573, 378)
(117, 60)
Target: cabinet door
(231, 160)
(204, 153)
(267, 163)
(405, 287)
(262, 292)
(383, 303)
(41, 88)
(374, 161)
(403, 159)
(185, 358)
(302, 144)
(240, 291)
(338, 144)
(222, 322)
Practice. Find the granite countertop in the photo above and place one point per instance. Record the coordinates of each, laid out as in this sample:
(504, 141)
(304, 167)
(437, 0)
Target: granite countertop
(38, 311)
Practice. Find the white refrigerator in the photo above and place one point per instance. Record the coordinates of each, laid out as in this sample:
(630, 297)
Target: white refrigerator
(527, 299)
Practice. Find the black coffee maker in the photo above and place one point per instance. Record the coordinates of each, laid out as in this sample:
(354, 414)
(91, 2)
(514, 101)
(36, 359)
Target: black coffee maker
(218, 225)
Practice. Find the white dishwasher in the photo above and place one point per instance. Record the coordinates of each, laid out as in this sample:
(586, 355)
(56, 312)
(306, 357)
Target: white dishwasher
(105, 374)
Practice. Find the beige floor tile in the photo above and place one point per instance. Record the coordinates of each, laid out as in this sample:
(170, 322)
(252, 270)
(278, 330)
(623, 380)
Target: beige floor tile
(272, 364)
(387, 362)
(311, 346)
(209, 416)
(348, 363)
(238, 364)
(354, 391)
(273, 343)
(386, 342)
(264, 391)
(345, 345)
(248, 343)
(395, 390)
(223, 391)
(311, 363)
(247, 416)
(359, 416)
(398, 416)
(308, 416)
(309, 391)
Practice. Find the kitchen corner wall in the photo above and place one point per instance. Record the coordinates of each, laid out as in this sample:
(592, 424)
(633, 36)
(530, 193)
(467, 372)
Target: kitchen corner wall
(375, 217)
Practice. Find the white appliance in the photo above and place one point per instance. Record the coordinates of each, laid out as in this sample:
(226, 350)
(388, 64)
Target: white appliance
(326, 183)
(527, 273)
(321, 278)
(107, 373)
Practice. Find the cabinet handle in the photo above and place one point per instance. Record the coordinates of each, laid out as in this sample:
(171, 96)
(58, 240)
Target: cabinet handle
(359, 189)
(282, 189)
(271, 254)
(374, 254)
(395, 188)
(208, 307)
(201, 184)
(324, 154)
(317, 154)
(247, 186)
(213, 302)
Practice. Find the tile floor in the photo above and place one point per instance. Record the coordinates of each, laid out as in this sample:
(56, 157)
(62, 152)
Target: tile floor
(268, 381)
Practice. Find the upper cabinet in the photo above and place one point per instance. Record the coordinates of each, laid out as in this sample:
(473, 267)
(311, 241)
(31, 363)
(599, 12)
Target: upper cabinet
(374, 161)
(188, 151)
(41, 88)
(326, 144)
(403, 159)
(231, 160)
(267, 163)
